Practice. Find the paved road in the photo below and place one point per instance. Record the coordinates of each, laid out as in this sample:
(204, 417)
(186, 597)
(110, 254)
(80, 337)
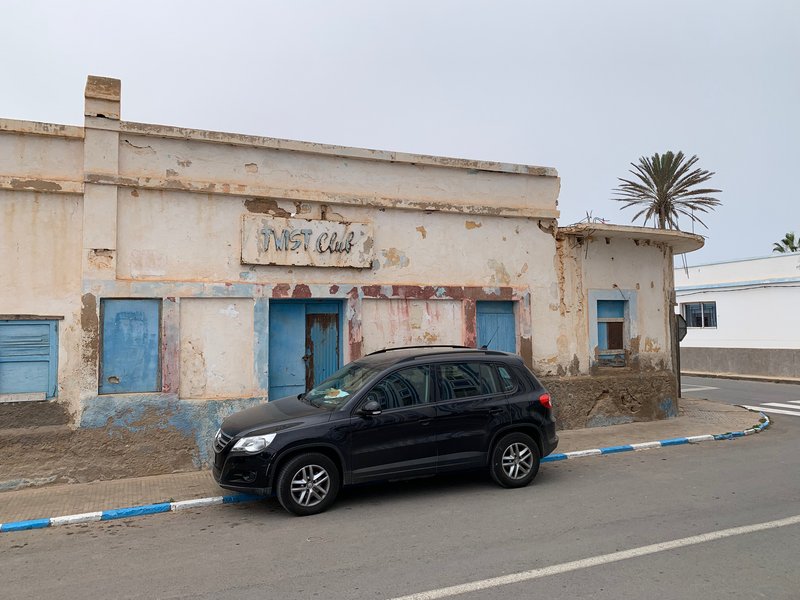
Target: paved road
(776, 399)
(405, 538)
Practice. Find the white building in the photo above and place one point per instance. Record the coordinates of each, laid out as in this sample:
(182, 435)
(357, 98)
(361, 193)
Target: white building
(743, 317)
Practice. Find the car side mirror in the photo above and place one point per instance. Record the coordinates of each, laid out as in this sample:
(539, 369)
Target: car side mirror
(372, 408)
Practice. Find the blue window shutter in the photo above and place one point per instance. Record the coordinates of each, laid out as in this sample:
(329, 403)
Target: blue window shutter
(28, 357)
(496, 326)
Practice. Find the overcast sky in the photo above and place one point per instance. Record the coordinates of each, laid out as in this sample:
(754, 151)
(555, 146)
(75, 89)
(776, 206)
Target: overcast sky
(586, 87)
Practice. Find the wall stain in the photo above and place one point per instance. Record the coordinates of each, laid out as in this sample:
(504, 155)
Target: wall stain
(267, 207)
(395, 258)
(91, 331)
(501, 275)
(301, 290)
(36, 185)
(472, 225)
(422, 231)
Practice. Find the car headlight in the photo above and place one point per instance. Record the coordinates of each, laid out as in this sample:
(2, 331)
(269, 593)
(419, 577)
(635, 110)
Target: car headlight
(255, 443)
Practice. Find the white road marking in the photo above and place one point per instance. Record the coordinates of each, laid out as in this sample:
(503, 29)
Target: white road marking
(777, 411)
(779, 405)
(594, 561)
(685, 388)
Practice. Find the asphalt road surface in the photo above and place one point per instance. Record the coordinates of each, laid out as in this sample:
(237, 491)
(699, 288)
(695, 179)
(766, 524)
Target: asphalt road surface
(713, 520)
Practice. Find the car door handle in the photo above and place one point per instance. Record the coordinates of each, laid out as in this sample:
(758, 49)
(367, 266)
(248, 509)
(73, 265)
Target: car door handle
(496, 411)
(425, 422)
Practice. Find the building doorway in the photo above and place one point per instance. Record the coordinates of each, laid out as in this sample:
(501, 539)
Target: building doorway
(304, 344)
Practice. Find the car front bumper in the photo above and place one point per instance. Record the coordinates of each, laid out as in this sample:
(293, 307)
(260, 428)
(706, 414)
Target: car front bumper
(248, 474)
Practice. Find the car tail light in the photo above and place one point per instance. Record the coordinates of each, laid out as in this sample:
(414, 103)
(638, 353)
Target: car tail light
(544, 400)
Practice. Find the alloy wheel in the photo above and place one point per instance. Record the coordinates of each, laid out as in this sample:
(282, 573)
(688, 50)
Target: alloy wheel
(517, 461)
(310, 485)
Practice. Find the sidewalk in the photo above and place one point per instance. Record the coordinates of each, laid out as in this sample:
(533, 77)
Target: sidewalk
(697, 417)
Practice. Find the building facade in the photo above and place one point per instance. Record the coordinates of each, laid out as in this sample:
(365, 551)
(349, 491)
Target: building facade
(158, 278)
(742, 317)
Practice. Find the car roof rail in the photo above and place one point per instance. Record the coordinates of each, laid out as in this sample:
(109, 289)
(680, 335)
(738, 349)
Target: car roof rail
(421, 346)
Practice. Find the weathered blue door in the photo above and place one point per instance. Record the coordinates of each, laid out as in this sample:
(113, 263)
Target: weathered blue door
(287, 347)
(496, 329)
(131, 339)
(28, 357)
(303, 345)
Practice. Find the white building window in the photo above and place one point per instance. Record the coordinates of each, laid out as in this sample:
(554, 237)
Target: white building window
(700, 314)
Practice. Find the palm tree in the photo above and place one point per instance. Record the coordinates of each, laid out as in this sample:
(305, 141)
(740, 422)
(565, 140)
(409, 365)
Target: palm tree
(789, 243)
(665, 187)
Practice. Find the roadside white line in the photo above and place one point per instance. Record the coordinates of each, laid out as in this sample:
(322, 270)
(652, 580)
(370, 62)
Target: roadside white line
(794, 401)
(779, 405)
(701, 388)
(795, 413)
(594, 561)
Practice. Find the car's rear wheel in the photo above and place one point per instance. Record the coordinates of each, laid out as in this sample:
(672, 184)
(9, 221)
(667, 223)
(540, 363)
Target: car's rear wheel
(308, 484)
(515, 460)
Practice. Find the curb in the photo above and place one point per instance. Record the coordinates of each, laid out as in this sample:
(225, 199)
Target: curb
(163, 507)
(764, 423)
(125, 513)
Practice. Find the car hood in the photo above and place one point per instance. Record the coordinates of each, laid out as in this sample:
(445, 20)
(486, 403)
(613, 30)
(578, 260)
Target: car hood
(273, 416)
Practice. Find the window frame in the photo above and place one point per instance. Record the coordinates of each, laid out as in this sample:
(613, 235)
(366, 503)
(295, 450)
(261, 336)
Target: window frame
(684, 307)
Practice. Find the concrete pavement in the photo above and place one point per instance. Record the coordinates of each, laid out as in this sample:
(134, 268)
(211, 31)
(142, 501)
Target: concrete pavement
(696, 418)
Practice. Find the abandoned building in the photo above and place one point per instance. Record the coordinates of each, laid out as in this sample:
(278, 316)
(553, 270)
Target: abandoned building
(158, 278)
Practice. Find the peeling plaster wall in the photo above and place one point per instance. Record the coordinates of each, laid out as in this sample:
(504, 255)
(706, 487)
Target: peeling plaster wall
(216, 348)
(195, 164)
(165, 236)
(618, 266)
(387, 323)
(44, 278)
(584, 394)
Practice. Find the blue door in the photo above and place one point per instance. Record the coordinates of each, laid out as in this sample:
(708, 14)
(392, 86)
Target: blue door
(287, 347)
(303, 345)
(28, 357)
(496, 327)
(131, 340)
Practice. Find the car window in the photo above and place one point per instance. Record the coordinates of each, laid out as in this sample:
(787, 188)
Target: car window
(465, 380)
(506, 379)
(339, 387)
(406, 387)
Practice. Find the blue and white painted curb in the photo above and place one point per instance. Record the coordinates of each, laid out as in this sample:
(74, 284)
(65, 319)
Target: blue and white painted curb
(695, 439)
(126, 513)
(163, 507)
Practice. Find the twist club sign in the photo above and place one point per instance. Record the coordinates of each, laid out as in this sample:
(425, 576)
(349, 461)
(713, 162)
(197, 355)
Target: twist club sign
(304, 242)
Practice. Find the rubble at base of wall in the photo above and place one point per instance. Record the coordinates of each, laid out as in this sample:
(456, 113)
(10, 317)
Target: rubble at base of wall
(610, 399)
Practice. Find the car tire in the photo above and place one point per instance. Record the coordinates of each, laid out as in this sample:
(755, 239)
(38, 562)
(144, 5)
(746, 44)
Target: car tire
(308, 484)
(515, 460)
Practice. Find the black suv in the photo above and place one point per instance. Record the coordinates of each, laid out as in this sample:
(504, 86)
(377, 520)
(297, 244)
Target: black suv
(394, 414)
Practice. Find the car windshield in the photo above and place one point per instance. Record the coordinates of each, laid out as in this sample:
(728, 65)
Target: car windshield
(339, 387)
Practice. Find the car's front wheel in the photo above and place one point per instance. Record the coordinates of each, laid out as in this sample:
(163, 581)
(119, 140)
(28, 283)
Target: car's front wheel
(308, 484)
(515, 460)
